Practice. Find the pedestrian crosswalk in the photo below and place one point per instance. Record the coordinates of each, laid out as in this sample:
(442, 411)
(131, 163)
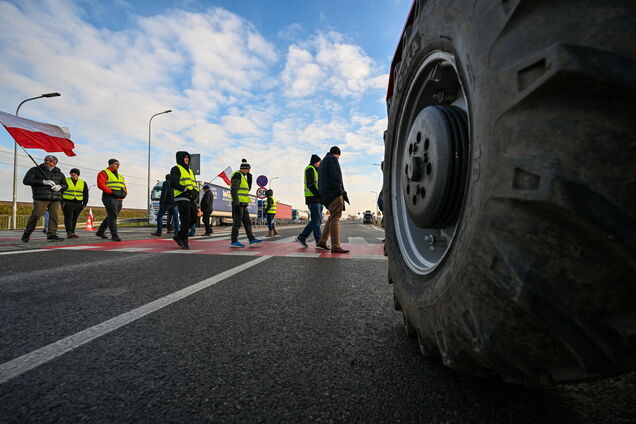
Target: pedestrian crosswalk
(280, 247)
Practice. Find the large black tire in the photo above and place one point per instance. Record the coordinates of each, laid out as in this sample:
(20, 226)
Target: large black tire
(539, 282)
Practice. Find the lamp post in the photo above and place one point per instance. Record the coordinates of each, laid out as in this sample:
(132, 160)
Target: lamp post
(270, 182)
(14, 218)
(149, 135)
(376, 202)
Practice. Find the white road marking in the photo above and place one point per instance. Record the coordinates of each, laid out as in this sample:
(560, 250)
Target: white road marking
(302, 255)
(76, 247)
(129, 249)
(361, 256)
(376, 228)
(16, 252)
(380, 238)
(357, 240)
(182, 251)
(41, 356)
(243, 253)
(284, 240)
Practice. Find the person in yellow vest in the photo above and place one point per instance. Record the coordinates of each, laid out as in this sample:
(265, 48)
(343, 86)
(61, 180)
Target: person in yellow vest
(113, 187)
(240, 185)
(75, 198)
(270, 213)
(186, 196)
(312, 200)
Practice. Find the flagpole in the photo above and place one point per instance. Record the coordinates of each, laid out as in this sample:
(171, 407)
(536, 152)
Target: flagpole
(14, 220)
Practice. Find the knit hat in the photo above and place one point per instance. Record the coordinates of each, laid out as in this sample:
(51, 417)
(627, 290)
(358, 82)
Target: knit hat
(74, 171)
(245, 165)
(335, 150)
(51, 157)
(270, 192)
(111, 161)
(314, 159)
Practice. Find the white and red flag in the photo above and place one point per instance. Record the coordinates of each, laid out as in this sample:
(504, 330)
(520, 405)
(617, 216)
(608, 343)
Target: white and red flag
(37, 135)
(226, 175)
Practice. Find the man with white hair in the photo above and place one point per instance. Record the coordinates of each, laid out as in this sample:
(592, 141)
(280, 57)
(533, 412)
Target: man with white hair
(47, 184)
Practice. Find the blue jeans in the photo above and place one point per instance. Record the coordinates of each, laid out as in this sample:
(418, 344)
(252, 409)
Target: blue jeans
(315, 210)
(270, 221)
(169, 209)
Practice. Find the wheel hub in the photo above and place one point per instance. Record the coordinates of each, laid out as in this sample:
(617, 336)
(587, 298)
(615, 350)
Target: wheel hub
(435, 169)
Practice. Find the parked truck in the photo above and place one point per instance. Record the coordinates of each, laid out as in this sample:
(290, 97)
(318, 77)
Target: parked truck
(509, 186)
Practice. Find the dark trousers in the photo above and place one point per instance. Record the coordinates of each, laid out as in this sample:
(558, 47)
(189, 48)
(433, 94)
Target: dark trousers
(72, 210)
(271, 224)
(240, 215)
(172, 218)
(188, 216)
(206, 221)
(113, 207)
(315, 212)
(39, 207)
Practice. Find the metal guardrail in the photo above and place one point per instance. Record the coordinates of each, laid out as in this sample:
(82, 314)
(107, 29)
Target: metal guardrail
(21, 222)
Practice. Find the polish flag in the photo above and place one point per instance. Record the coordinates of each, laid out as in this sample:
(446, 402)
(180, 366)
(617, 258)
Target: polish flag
(227, 172)
(36, 135)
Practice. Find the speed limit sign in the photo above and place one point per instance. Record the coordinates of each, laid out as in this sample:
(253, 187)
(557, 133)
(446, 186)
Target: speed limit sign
(261, 193)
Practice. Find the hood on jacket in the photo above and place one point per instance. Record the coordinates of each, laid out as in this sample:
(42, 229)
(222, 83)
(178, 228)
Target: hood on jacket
(181, 156)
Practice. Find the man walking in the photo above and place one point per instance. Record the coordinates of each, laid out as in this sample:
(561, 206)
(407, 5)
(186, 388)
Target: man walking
(333, 196)
(206, 209)
(270, 213)
(166, 206)
(240, 186)
(75, 199)
(47, 184)
(113, 187)
(186, 196)
(312, 200)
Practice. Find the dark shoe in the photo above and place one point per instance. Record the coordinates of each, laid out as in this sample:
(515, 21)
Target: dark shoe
(115, 238)
(101, 235)
(45, 231)
(177, 240)
(169, 232)
(54, 238)
(322, 246)
(75, 235)
(25, 238)
(185, 245)
(302, 242)
(207, 234)
(339, 250)
(156, 234)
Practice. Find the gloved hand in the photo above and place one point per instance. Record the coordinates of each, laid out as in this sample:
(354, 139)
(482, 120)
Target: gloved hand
(49, 183)
(56, 187)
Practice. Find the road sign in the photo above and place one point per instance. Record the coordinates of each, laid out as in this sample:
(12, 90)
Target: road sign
(195, 163)
(261, 181)
(261, 193)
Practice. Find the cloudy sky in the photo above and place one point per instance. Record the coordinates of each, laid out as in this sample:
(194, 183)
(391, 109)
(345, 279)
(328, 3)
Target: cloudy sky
(272, 81)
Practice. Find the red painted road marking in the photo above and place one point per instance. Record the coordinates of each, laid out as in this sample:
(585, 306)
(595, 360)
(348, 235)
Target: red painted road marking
(220, 247)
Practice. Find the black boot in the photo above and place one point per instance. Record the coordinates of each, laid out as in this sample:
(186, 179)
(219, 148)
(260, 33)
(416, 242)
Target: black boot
(177, 240)
(184, 244)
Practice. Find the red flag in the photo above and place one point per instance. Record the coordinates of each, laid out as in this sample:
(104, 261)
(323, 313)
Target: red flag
(227, 172)
(36, 135)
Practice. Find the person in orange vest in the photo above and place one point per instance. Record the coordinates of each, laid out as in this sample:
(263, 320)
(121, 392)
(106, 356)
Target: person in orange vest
(113, 187)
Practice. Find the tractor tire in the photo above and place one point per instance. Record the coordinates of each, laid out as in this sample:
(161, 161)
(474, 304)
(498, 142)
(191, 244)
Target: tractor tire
(510, 186)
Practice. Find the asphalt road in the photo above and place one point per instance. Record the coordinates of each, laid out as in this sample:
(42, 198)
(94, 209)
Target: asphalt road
(138, 335)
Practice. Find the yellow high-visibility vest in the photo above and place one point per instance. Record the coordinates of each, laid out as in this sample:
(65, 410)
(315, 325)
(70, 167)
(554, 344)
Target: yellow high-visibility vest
(75, 191)
(244, 189)
(115, 182)
(187, 180)
(272, 210)
(308, 192)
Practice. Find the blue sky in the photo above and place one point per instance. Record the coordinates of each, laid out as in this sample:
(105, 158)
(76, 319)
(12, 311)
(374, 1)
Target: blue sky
(270, 81)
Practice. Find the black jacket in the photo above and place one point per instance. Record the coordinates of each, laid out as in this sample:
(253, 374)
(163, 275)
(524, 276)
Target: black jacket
(206, 202)
(175, 176)
(311, 185)
(167, 194)
(37, 174)
(330, 180)
(234, 186)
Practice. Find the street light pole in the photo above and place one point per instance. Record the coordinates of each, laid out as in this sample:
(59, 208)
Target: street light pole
(270, 182)
(149, 135)
(14, 218)
(376, 202)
